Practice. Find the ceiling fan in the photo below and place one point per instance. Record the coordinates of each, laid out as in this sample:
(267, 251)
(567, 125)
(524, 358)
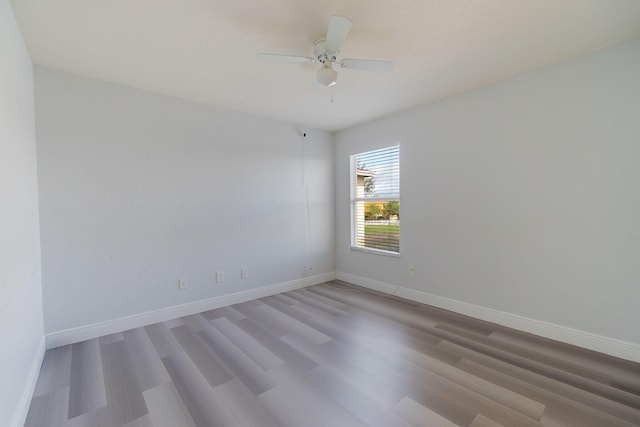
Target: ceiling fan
(326, 50)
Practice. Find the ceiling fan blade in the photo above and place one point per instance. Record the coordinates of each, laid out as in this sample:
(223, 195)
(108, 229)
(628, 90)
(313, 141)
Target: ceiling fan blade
(367, 64)
(339, 27)
(290, 58)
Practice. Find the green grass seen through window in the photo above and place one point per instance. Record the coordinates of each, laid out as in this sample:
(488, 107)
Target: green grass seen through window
(382, 236)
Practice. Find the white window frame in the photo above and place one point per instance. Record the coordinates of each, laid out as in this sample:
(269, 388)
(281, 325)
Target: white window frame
(354, 199)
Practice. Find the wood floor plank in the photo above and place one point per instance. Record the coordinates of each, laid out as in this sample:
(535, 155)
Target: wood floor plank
(144, 421)
(495, 392)
(108, 339)
(535, 379)
(349, 356)
(297, 402)
(556, 406)
(124, 395)
(358, 374)
(362, 404)
(327, 301)
(290, 324)
(555, 394)
(276, 327)
(411, 317)
(420, 416)
(163, 340)
(49, 410)
(55, 372)
(146, 363)
(208, 362)
(623, 374)
(173, 323)
(242, 366)
(318, 304)
(532, 354)
(482, 421)
(289, 310)
(228, 312)
(236, 405)
(333, 354)
(529, 363)
(193, 389)
(288, 354)
(473, 402)
(87, 386)
(196, 322)
(166, 407)
(285, 299)
(247, 344)
(441, 400)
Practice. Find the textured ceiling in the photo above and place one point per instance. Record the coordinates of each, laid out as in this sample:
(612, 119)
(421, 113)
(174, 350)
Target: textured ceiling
(204, 50)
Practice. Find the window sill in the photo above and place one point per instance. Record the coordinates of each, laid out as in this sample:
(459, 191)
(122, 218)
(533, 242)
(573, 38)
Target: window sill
(375, 251)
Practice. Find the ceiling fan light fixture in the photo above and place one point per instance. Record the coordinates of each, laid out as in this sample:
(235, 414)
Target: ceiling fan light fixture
(327, 76)
(326, 50)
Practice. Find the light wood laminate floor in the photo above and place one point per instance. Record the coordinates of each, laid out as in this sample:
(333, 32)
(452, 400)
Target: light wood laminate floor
(331, 355)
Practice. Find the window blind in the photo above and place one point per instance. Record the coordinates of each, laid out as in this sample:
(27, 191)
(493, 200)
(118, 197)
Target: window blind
(375, 200)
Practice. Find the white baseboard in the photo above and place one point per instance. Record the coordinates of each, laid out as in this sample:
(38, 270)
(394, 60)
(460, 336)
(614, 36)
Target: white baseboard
(82, 333)
(22, 409)
(622, 349)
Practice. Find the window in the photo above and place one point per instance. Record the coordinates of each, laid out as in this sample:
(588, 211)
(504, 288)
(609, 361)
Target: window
(375, 201)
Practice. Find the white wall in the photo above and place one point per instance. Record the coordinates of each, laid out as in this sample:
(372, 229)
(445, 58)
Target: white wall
(522, 197)
(21, 332)
(138, 190)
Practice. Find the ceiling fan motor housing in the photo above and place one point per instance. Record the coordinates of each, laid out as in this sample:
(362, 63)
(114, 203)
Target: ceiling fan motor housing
(320, 52)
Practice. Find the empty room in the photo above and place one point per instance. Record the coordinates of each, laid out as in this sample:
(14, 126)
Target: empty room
(319, 213)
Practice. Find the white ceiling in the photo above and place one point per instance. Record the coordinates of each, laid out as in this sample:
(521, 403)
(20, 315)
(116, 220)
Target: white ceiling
(204, 50)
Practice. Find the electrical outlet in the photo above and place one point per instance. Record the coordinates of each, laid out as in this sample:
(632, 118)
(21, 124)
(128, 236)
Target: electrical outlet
(219, 276)
(412, 271)
(244, 273)
(182, 284)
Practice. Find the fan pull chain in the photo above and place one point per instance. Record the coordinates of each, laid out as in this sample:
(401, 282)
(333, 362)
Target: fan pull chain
(331, 94)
